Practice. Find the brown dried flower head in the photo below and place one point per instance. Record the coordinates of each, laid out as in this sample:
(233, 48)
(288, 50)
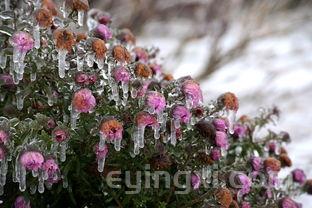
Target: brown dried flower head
(99, 48)
(283, 150)
(160, 162)
(206, 129)
(168, 77)
(272, 164)
(120, 53)
(79, 5)
(49, 5)
(142, 70)
(285, 160)
(204, 158)
(126, 36)
(64, 39)
(224, 197)
(44, 18)
(229, 101)
(80, 36)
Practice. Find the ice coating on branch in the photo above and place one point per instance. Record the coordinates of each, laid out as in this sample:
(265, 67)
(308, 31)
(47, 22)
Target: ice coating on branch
(84, 101)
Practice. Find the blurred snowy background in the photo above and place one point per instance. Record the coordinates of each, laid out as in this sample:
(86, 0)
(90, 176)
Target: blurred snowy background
(259, 49)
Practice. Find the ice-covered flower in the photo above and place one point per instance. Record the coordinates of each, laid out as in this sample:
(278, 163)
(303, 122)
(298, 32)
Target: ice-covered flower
(220, 124)
(99, 48)
(104, 32)
(256, 163)
(298, 176)
(121, 74)
(246, 205)
(156, 68)
(31, 160)
(195, 179)
(121, 54)
(215, 154)
(4, 136)
(181, 113)
(145, 119)
(60, 135)
(141, 54)
(21, 202)
(64, 39)
(245, 183)
(22, 41)
(221, 139)
(101, 153)
(155, 101)
(84, 101)
(81, 78)
(192, 92)
(51, 167)
(143, 70)
(111, 129)
(240, 130)
(287, 202)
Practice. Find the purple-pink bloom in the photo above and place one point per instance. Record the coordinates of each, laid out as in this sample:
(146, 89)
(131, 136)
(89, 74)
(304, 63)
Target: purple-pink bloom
(215, 154)
(6, 79)
(51, 168)
(81, 78)
(84, 101)
(121, 74)
(111, 129)
(256, 163)
(4, 136)
(156, 68)
(221, 139)
(298, 176)
(240, 130)
(21, 202)
(155, 102)
(60, 135)
(22, 41)
(104, 32)
(181, 113)
(245, 183)
(195, 179)
(220, 124)
(192, 93)
(101, 153)
(145, 119)
(31, 160)
(246, 205)
(143, 88)
(287, 202)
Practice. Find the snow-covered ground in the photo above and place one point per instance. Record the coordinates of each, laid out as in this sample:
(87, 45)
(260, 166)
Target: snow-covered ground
(275, 70)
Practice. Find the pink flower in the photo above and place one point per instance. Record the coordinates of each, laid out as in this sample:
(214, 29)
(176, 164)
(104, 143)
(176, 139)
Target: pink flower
(156, 68)
(220, 124)
(155, 102)
(195, 181)
(50, 123)
(104, 32)
(4, 136)
(246, 205)
(181, 113)
(6, 80)
(141, 54)
(192, 92)
(81, 78)
(287, 202)
(215, 154)
(221, 139)
(143, 88)
(22, 41)
(84, 101)
(60, 135)
(92, 78)
(256, 163)
(111, 129)
(298, 176)
(31, 160)
(21, 202)
(240, 130)
(146, 119)
(51, 168)
(245, 183)
(101, 153)
(121, 74)
(2, 153)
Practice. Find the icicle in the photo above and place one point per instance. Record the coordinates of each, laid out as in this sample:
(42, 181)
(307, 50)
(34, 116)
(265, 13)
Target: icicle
(73, 118)
(125, 90)
(33, 76)
(102, 141)
(134, 93)
(80, 61)
(136, 149)
(41, 183)
(3, 60)
(22, 179)
(151, 110)
(115, 94)
(156, 131)
(33, 189)
(173, 137)
(65, 182)
(19, 100)
(36, 34)
(100, 63)
(7, 5)
(63, 148)
(101, 163)
(50, 99)
(63, 9)
(231, 116)
(117, 144)
(62, 62)
(90, 60)
(35, 173)
(80, 18)
(177, 123)
(140, 132)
